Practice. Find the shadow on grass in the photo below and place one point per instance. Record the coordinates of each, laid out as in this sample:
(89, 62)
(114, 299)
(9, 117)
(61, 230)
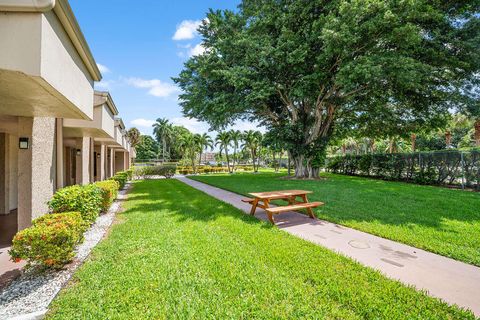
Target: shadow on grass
(187, 203)
(366, 200)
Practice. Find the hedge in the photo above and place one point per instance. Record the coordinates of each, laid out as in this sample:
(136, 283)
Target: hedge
(434, 168)
(86, 199)
(167, 171)
(50, 242)
(121, 178)
(109, 190)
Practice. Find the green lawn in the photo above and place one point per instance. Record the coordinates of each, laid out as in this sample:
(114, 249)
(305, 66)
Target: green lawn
(178, 253)
(435, 219)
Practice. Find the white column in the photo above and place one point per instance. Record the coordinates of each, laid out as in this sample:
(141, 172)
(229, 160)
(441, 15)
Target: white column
(125, 161)
(91, 161)
(83, 158)
(59, 152)
(112, 163)
(36, 168)
(103, 155)
(4, 173)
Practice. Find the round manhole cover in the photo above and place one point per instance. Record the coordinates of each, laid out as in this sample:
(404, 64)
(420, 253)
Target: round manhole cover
(359, 244)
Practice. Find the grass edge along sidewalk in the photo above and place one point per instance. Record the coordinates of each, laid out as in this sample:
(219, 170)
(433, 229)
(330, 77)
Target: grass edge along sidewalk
(180, 253)
(439, 220)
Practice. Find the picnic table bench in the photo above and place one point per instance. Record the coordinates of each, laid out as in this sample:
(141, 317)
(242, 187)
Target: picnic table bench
(262, 200)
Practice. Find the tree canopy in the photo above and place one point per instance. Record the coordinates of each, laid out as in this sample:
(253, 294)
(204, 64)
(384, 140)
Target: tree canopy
(311, 70)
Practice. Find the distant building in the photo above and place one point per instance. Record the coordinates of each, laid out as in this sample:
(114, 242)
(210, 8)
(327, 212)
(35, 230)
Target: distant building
(208, 157)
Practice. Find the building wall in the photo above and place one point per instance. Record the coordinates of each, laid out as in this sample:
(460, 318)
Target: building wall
(20, 49)
(62, 66)
(108, 122)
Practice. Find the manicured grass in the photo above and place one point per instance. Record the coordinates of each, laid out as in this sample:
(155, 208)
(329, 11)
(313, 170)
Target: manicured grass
(436, 219)
(178, 253)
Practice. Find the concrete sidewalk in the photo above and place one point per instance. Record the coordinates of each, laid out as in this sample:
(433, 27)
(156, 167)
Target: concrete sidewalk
(453, 281)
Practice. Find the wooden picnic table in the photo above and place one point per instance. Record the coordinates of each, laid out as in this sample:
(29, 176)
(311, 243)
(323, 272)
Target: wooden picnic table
(262, 200)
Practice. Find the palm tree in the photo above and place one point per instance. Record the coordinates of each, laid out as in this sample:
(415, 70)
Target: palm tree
(205, 142)
(252, 140)
(133, 136)
(236, 137)
(189, 145)
(162, 130)
(224, 140)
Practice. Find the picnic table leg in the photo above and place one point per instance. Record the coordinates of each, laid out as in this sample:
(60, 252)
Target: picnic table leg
(269, 214)
(309, 210)
(254, 207)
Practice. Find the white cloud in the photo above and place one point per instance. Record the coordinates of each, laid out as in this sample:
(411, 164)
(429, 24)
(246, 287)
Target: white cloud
(104, 84)
(156, 87)
(103, 68)
(197, 50)
(193, 125)
(187, 29)
(142, 123)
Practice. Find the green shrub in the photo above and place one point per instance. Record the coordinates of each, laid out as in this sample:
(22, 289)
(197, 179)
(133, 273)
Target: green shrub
(85, 199)
(121, 178)
(129, 173)
(73, 220)
(450, 167)
(109, 192)
(50, 242)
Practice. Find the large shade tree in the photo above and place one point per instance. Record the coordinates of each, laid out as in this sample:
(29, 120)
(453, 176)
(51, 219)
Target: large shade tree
(311, 70)
(147, 148)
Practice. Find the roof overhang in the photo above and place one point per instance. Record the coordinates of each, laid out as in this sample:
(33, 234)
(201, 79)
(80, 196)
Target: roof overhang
(65, 14)
(104, 97)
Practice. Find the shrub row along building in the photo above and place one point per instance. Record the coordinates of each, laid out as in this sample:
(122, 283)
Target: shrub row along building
(55, 130)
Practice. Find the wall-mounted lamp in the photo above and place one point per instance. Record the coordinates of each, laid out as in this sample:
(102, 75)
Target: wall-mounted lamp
(98, 155)
(79, 152)
(23, 143)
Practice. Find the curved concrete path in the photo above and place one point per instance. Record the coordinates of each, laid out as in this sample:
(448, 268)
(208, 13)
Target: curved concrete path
(453, 281)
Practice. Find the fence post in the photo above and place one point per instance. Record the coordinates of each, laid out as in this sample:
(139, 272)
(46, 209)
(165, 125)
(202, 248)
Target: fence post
(463, 170)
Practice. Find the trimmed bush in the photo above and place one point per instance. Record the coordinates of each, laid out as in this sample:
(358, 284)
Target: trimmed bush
(451, 167)
(50, 242)
(73, 220)
(121, 178)
(109, 192)
(129, 173)
(85, 199)
(166, 171)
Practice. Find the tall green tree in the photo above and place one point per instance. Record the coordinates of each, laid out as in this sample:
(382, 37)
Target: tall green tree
(162, 129)
(236, 138)
(313, 70)
(252, 141)
(224, 140)
(147, 148)
(190, 145)
(133, 135)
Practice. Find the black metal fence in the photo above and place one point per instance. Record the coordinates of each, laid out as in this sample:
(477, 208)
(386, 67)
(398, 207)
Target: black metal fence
(453, 167)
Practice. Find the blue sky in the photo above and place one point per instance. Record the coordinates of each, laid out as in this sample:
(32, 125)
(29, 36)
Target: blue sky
(139, 46)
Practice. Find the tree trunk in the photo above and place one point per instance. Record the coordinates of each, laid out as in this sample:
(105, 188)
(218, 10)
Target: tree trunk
(477, 133)
(163, 147)
(448, 139)
(289, 167)
(234, 157)
(253, 160)
(413, 138)
(200, 159)
(228, 160)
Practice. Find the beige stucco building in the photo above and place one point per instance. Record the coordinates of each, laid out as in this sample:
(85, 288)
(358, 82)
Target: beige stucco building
(55, 130)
